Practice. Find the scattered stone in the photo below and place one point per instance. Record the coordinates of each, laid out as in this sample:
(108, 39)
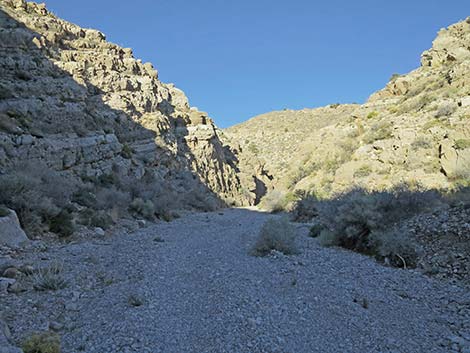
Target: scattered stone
(99, 231)
(11, 272)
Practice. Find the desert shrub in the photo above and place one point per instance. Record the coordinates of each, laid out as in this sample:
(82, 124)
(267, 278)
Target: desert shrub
(379, 131)
(394, 77)
(445, 109)
(253, 148)
(372, 115)
(363, 171)
(127, 151)
(142, 208)
(84, 197)
(355, 220)
(43, 342)
(421, 142)
(93, 218)
(305, 208)
(62, 224)
(273, 201)
(108, 179)
(36, 193)
(331, 165)
(396, 247)
(276, 234)
(49, 278)
(4, 212)
(462, 144)
(109, 198)
(316, 230)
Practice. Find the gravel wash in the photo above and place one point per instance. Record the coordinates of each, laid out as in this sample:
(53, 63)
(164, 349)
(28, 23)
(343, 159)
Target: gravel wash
(190, 286)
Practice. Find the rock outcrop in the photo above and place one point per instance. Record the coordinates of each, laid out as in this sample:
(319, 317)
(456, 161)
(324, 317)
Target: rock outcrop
(83, 105)
(415, 130)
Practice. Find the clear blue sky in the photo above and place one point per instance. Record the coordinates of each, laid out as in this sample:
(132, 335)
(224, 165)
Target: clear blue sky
(237, 59)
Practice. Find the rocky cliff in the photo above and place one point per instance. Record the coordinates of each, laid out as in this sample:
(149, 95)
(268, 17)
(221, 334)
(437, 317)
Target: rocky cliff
(415, 130)
(83, 106)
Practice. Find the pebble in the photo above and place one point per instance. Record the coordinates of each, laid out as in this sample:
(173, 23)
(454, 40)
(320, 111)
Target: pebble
(99, 231)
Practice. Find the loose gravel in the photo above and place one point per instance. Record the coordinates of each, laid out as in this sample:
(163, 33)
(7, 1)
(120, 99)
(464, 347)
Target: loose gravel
(190, 286)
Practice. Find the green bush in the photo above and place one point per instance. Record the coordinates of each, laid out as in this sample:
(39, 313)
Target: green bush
(127, 151)
(396, 247)
(143, 208)
(462, 144)
(363, 171)
(36, 193)
(421, 142)
(93, 218)
(379, 131)
(4, 212)
(316, 230)
(364, 221)
(62, 224)
(274, 201)
(445, 109)
(372, 115)
(304, 209)
(43, 342)
(276, 234)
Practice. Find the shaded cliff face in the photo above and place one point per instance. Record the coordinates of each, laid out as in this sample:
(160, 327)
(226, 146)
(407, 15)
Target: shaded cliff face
(414, 130)
(83, 106)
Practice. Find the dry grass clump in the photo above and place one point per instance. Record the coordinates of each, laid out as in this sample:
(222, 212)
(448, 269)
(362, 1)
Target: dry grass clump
(49, 278)
(276, 234)
(42, 342)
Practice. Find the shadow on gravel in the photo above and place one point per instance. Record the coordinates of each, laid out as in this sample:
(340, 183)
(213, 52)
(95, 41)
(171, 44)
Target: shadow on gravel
(403, 227)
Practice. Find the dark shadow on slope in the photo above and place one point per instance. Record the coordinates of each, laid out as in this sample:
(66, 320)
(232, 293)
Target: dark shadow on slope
(400, 226)
(49, 116)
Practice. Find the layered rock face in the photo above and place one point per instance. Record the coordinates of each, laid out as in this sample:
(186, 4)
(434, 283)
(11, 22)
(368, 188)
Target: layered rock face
(415, 130)
(82, 105)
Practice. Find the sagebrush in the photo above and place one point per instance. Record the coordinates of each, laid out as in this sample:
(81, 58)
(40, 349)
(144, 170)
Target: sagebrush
(276, 234)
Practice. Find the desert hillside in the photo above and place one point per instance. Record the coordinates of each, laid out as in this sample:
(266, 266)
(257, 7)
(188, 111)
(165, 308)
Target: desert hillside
(414, 130)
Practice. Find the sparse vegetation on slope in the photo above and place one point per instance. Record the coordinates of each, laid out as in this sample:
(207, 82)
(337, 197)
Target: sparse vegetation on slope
(411, 131)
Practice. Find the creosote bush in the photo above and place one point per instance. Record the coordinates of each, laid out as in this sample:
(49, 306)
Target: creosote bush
(42, 342)
(276, 234)
(274, 201)
(143, 208)
(62, 224)
(366, 221)
(316, 230)
(304, 209)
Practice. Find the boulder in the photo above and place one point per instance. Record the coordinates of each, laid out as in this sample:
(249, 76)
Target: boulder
(455, 162)
(11, 233)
